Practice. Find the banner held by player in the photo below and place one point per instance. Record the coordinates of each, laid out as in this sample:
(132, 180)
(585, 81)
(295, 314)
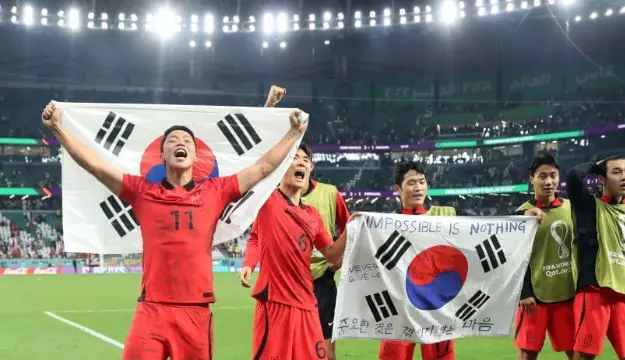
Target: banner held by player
(431, 279)
(128, 136)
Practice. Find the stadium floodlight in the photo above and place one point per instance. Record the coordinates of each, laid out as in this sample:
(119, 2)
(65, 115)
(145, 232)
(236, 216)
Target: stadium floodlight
(234, 28)
(282, 44)
(208, 44)
(121, 26)
(326, 25)
(340, 16)
(149, 17)
(165, 22)
(61, 23)
(283, 22)
(194, 19)
(462, 14)
(105, 17)
(192, 44)
(121, 17)
(429, 18)
(133, 26)
(178, 19)
(14, 10)
(296, 26)
(593, 15)
(372, 22)
(194, 28)
(74, 19)
(44, 12)
(327, 16)
(510, 7)
(61, 13)
(578, 18)
(387, 21)
(449, 11)
(226, 19)
(311, 17)
(14, 19)
(357, 15)
(225, 28)
(481, 11)
(235, 19)
(461, 5)
(494, 10)
(417, 10)
(252, 28)
(609, 12)
(428, 9)
(44, 21)
(133, 17)
(551, 2)
(494, 2)
(91, 15)
(417, 19)
(90, 24)
(104, 25)
(524, 5)
(371, 14)
(149, 27)
(402, 12)
(341, 24)
(311, 26)
(295, 17)
(536, 3)
(252, 19)
(327, 42)
(402, 20)
(358, 23)
(622, 10)
(479, 3)
(387, 12)
(268, 23)
(209, 23)
(265, 44)
(28, 16)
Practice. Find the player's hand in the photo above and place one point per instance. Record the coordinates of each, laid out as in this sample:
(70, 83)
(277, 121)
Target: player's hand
(354, 216)
(529, 304)
(51, 116)
(244, 276)
(276, 94)
(336, 266)
(540, 215)
(295, 124)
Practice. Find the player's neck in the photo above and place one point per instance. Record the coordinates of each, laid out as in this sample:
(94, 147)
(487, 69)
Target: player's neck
(615, 199)
(179, 178)
(293, 193)
(545, 199)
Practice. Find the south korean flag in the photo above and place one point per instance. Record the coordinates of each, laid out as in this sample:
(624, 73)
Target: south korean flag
(426, 279)
(128, 137)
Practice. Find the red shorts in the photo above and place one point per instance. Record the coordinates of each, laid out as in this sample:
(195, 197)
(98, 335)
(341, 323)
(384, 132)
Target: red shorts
(599, 313)
(400, 350)
(555, 319)
(286, 332)
(159, 331)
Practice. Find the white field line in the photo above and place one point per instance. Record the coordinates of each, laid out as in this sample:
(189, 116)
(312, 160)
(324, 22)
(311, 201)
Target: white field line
(86, 329)
(213, 308)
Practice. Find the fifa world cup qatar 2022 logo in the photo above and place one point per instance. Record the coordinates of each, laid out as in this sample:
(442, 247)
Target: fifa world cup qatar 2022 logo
(153, 168)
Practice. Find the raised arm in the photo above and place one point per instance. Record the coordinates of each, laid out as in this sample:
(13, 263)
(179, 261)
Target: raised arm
(578, 193)
(276, 94)
(264, 166)
(334, 251)
(81, 153)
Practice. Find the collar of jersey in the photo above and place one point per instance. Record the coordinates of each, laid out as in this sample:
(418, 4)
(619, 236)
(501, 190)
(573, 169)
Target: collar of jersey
(419, 210)
(554, 204)
(288, 200)
(167, 185)
(311, 186)
(610, 200)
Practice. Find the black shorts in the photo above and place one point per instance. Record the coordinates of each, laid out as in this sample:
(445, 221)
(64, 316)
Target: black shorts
(325, 291)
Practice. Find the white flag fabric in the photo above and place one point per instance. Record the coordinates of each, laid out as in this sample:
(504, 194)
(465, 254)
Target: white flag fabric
(128, 137)
(426, 279)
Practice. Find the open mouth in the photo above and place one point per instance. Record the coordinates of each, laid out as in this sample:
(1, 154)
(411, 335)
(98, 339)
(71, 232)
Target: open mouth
(180, 154)
(299, 174)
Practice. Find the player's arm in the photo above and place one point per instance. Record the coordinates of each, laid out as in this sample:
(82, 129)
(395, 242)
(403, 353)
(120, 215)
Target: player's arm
(82, 155)
(264, 166)
(578, 193)
(276, 94)
(528, 298)
(251, 257)
(340, 223)
(333, 251)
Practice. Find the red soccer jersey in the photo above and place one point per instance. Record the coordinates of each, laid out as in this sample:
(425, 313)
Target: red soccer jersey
(177, 226)
(282, 239)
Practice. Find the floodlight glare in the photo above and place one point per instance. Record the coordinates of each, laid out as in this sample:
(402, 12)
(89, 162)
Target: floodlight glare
(622, 10)
(74, 19)
(235, 28)
(327, 16)
(357, 15)
(509, 7)
(194, 28)
(44, 21)
(192, 44)
(14, 19)
(326, 25)
(429, 18)
(402, 20)
(462, 14)
(417, 10)
(209, 23)
(340, 16)
(593, 15)
(133, 26)
(165, 22)
(428, 8)
(372, 22)
(252, 19)
(341, 24)
(536, 3)
(371, 14)
(208, 44)
(387, 21)
(481, 11)
(194, 19)
(61, 23)
(296, 26)
(235, 19)
(494, 9)
(402, 11)
(551, 2)
(449, 11)
(28, 17)
(311, 26)
(417, 19)
(149, 27)
(358, 23)
(14, 10)
(311, 17)
(121, 26)
(295, 17)
(121, 17)
(226, 19)
(479, 3)
(268, 23)
(524, 5)
(44, 12)
(461, 5)
(104, 25)
(283, 22)
(224, 28)
(252, 28)
(61, 13)
(327, 42)
(90, 25)
(265, 44)
(133, 17)
(90, 16)
(282, 44)
(578, 18)
(608, 12)
(387, 12)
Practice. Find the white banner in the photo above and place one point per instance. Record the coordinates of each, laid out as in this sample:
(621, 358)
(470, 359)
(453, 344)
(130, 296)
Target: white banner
(128, 136)
(425, 279)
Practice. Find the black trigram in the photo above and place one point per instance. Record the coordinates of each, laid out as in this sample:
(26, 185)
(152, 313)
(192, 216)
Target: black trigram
(392, 250)
(116, 210)
(381, 305)
(239, 137)
(472, 306)
(486, 251)
(231, 208)
(109, 134)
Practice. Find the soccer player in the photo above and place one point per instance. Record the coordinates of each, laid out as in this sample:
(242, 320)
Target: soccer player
(335, 215)
(178, 218)
(286, 319)
(548, 288)
(412, 186)
(598, 257)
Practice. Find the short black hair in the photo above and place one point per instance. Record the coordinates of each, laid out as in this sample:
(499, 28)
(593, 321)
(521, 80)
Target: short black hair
(603, 165)
(174, 128)
(544, 159)
(306, 149)
(402, 169)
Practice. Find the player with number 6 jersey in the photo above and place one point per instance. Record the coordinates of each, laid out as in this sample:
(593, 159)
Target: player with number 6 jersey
(548, 287)
(177, 219)
(286, 321)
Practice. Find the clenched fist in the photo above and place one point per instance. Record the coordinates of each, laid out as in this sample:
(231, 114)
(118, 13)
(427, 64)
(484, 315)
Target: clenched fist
(295, 124)
(51, 116)
(276, 94)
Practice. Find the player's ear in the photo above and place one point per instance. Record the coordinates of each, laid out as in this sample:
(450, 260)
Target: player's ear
(531, 180)
(397, 188)
(162, 157)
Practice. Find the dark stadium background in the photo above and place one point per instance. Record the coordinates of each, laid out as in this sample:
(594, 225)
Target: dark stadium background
(366, 86)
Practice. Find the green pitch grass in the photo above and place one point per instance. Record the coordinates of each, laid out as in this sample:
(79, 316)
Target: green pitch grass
(26, 332)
